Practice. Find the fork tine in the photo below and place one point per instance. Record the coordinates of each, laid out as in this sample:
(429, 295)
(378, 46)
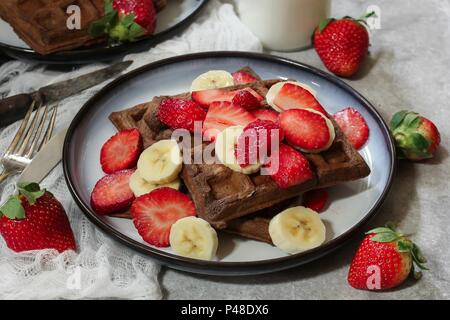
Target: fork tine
(36, 137)
(30, 132)
(21, 130)
(51, 126)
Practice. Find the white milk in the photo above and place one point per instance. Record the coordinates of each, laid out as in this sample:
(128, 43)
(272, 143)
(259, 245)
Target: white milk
(283, 24)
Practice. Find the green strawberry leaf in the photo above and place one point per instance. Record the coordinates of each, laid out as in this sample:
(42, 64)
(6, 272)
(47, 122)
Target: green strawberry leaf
(404, 246)
(13, 209)
(128, 20)
(108, 6)
(136, 31)
(324, 23)
(385, 237)
(31, 191)
(420, 143)
(411, 119)
(397, 119)
(103, 25)
(379, 230)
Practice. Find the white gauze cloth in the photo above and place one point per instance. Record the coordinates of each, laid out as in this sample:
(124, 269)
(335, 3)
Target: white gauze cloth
(102, 268)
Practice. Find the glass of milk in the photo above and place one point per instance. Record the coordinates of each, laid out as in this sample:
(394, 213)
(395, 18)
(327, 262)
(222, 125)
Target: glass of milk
(283, 25)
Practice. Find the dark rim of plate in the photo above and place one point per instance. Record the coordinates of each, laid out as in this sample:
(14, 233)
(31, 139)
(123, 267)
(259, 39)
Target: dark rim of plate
(217, 267)
(98, 53)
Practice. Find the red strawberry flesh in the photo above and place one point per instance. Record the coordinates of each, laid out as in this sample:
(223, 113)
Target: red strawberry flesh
(266, 114)
(181, 114)
(112, 193)
(241, 77)
(222, 115)
(121, 151)
(292, 96)
(305, 129)
(246, 100)
(256, 140)
(45, 226)
(354, 126)
(293, 167)
(144, 12)
(155, 213)
(315, 199)
(206, 97)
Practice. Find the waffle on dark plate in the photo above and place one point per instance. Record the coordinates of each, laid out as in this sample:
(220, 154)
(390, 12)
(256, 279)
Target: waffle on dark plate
(239, 203)
(42, 24)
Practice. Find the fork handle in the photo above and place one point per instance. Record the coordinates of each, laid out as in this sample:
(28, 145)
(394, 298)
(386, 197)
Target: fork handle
(14, 108)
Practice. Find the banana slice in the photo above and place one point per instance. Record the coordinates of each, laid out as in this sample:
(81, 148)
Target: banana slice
(297, 229)
(194, 238)
(275, 89)
(139, 186)
(225, 150)
(161, 163)
(212, 80)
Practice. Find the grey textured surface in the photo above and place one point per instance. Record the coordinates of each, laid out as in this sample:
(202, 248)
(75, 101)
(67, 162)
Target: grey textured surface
(408, 69)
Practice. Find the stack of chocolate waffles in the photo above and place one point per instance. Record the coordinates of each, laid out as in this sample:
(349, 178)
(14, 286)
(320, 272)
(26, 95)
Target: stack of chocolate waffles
(239, 203)
(42, 24)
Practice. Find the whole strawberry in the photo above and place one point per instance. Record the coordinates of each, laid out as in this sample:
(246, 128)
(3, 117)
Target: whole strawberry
(416, 137)
(384, 260)
(342, 44)
(34, 220)
(126, 20)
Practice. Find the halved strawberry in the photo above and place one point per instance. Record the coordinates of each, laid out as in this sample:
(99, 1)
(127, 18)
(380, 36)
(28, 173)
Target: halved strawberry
(112, 193)
(256, 141)
(154, 214)
(121, 151)
(315, 199)
(292, 96)
(266, 114)
(206, 97)
(310, 131)
(288, 167)
(180, 114)
(222, 115)
(245, 99)
(354, 126)
(242, 77)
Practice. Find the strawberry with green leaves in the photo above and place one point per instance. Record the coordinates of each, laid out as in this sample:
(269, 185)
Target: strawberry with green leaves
(342, 44)
(416, 137)
(34, 220)
(384, 260)
(126, 20)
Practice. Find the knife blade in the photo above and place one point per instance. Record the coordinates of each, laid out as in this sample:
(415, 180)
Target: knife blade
(45, 160)
(15, 107)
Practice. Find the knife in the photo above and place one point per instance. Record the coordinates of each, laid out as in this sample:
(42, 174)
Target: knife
(45, 160)
(15, 107)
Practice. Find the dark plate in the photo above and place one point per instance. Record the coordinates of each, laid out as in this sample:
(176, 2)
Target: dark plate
(178, 15)
(352, 204)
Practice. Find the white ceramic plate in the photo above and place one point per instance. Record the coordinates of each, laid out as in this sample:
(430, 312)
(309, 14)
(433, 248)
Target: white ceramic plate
(351, 204)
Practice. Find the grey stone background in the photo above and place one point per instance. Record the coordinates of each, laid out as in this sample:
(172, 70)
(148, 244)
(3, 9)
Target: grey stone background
(408, 68)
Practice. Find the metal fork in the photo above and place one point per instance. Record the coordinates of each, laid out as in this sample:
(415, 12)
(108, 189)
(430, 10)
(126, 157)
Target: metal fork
(34, 131)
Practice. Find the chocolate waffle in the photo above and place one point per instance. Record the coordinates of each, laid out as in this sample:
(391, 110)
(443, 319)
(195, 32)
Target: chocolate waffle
(42, 24)
(222, 196)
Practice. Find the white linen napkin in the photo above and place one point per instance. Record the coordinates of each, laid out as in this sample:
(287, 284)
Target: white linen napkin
(102, 268)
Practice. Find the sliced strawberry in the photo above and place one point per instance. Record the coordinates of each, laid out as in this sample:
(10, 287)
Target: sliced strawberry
(206, 97)
(242, 77)
(306, 130)
(256, 141)
(180, 114)
(222, 115)
(121, 151)
(292, 96)
(288, 167)
(245, 99)
(112, 193)
(354, 126)
(316, 199)
(154, 214)
(266, 114)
